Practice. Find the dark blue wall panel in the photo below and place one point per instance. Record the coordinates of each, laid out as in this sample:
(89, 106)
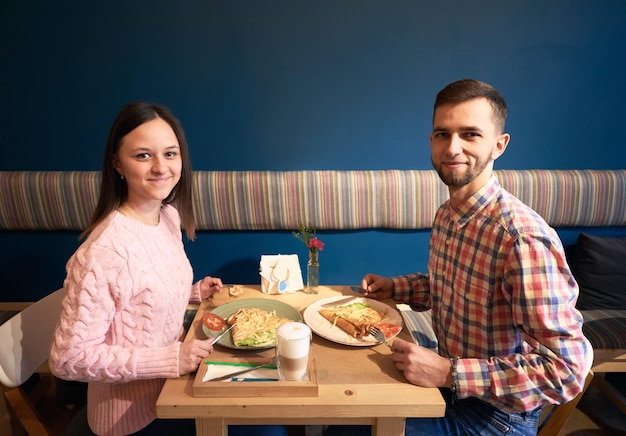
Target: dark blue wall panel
(288, 85)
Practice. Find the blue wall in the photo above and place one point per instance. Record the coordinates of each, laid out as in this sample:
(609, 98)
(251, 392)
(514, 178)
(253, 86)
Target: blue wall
(289, 85)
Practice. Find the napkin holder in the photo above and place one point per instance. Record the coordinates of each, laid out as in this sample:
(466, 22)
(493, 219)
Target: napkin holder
(280, 274)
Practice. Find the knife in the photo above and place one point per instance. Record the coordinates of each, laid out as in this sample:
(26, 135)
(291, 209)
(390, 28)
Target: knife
(221, 335)
(358, 289)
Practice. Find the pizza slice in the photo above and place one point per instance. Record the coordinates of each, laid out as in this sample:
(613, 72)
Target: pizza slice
(354, 319)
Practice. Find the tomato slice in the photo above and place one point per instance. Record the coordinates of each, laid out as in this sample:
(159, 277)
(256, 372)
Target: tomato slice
(213, 321)
(389, 330)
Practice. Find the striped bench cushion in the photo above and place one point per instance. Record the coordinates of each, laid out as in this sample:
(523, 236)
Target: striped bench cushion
(277, 200)
(580, 198)
(420, 326)
(48, 200)
(605, 328)
(269, 200)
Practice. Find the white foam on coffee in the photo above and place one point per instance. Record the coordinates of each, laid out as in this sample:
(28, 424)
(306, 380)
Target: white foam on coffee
(296, 339)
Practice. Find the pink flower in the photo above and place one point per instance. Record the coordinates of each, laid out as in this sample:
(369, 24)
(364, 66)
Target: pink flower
(316, 243)
(307, 234)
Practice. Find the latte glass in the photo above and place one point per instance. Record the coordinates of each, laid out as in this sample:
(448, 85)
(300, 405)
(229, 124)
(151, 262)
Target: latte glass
(293, 344)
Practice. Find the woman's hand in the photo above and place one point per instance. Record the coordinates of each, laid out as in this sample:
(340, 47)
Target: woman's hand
(378, 287)
(209, 286)
(192, 353)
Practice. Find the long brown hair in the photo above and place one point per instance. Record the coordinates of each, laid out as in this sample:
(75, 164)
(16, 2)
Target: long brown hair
(114, 190)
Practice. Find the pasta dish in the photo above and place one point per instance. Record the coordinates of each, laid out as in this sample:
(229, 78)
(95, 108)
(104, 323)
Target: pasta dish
(255, 327)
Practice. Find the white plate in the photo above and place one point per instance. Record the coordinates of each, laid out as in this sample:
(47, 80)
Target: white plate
(325, 329)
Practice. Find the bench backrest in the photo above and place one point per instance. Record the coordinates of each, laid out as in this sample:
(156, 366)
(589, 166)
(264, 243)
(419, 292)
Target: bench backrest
(275, 200)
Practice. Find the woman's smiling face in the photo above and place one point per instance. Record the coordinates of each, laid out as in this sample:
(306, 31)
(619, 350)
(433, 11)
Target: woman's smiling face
(149, 159)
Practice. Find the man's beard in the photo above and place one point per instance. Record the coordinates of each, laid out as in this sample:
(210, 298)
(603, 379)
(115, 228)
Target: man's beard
(458, 180)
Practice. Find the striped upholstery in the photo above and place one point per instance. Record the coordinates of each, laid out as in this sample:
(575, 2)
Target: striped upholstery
(257, 200)
(420, 325)
(581, 198)
(275, 200)
(605, 328)
(47, 200)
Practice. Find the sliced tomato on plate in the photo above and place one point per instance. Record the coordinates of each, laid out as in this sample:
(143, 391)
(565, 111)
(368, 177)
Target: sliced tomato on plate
(389, 330)
(213, 321)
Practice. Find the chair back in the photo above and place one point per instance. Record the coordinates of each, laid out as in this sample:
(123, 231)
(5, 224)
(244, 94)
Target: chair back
(26, 337)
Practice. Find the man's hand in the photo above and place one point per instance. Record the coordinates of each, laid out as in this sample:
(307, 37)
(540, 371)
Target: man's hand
(378, 287)
(421, 366)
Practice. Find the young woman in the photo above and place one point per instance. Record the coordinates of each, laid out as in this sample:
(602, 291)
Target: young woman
(129, 283)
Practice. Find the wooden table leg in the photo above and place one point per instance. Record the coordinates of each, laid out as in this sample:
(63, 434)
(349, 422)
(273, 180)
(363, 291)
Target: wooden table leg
(388, 427)
(211, 427)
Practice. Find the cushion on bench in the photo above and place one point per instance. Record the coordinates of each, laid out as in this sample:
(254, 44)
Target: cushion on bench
(605, 328)
(47, 200)
(337, 200)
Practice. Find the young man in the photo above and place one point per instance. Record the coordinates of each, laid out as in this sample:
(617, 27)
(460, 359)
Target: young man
(501, 293)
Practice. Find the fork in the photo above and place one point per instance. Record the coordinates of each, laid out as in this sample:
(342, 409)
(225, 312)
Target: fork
(378, 335)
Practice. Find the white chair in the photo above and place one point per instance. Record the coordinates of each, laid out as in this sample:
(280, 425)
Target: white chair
(24, 347)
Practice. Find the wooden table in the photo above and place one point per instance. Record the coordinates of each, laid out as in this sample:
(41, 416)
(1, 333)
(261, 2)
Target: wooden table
(357, 385)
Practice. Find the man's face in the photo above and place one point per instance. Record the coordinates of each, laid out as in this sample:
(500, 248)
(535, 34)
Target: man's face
(464, 143)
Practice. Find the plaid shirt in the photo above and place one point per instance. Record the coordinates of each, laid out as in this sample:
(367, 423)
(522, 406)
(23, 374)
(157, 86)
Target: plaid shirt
(503, 301)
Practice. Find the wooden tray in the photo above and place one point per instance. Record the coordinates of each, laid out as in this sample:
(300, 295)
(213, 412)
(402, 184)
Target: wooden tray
(256, 389)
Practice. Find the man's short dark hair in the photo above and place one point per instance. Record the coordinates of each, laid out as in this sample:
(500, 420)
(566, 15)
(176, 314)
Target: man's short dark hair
(469, 89)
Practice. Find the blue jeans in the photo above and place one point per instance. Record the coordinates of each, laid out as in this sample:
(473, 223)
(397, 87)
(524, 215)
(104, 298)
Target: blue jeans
(470, 417)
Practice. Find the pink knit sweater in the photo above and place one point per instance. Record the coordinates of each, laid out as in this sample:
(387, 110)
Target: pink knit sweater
(128, 286)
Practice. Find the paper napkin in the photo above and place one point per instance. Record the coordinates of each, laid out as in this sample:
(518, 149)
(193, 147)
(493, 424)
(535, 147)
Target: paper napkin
(280, 273)
(215, 370)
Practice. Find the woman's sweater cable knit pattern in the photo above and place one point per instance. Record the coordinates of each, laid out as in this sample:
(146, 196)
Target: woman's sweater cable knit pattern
(128, 286)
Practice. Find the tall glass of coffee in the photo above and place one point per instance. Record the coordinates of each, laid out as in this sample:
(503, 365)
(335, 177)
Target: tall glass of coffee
(293, 344)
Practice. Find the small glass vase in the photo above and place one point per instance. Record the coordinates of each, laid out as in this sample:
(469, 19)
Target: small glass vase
(312, 273)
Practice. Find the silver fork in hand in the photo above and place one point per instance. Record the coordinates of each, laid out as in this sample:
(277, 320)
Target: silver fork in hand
(378, 335)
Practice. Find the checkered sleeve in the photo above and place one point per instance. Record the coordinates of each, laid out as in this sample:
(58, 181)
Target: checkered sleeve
(413, 289)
